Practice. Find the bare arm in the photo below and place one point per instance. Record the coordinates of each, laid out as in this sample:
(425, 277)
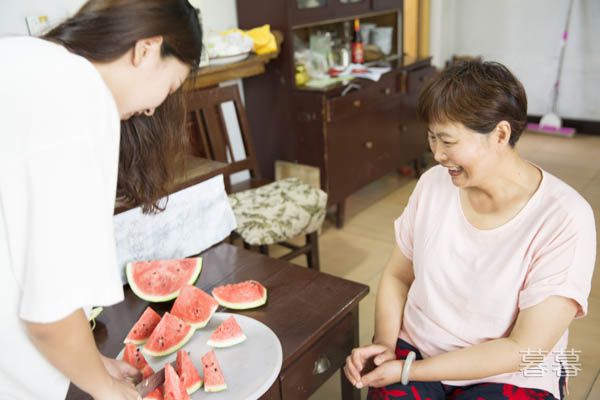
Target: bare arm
(69, 345)
(536, 328)
(393, 289)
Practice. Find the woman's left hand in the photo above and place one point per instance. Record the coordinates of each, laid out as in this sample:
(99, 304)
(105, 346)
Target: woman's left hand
(120, 370)
(385, 374)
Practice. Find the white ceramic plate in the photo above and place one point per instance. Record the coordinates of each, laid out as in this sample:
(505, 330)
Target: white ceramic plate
(249, 368)
(228, 59)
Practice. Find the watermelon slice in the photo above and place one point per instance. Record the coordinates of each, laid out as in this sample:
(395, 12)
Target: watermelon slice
(213, 376)
(169, 335)
(227, 334)
(143, 327)
(157, 394)
(133, 357)
(241, 296)
(174, 389)
(158, 281)
(187, 372)
(194, 306)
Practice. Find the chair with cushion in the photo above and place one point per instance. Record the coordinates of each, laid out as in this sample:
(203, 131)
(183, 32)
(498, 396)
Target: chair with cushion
(266, 213)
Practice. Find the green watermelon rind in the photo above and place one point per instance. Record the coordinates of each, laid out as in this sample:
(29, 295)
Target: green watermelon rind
(194, 388)
(160, 299)
(242, 306)
(171, 349)
(221, 344)
(216, 388)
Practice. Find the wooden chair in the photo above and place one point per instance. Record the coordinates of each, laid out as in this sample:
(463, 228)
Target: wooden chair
(266, 213)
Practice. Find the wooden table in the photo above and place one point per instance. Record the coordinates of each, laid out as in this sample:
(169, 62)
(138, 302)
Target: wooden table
(314, 315)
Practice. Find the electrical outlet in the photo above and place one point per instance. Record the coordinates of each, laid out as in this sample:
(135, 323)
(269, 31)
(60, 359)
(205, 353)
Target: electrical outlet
(36, 24)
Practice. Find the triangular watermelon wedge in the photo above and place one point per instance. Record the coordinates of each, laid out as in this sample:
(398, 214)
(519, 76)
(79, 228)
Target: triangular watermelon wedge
(194, 306)
(187, 372)
(136, 359)
(156, 394)
(143, 327)
(228, 334)
(174, 389)
(159, 281)
(214, 381)
(241, 296)
(169, 335)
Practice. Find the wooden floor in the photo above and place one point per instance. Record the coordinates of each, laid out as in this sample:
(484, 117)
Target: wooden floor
(359, 250)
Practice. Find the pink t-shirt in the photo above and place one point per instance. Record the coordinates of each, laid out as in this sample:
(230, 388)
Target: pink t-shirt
(470, 284)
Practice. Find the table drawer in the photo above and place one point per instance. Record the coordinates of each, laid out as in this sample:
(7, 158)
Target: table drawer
(319, 362)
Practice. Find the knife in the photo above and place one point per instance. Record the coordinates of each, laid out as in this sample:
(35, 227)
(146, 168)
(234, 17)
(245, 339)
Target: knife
(148, 385)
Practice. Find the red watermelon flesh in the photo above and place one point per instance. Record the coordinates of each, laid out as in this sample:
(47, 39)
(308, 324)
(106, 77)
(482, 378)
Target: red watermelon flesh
(194, 306)
(174, 389)
(157, 394)
(229, 333)
(158, 281)
(143, 327)
(136, 359)
(241, 296)
(187, 372)
(169, 335)
(214, 381)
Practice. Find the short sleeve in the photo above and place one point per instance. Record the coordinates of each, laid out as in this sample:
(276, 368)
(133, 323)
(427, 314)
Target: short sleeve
(564, 266)
(404, 226)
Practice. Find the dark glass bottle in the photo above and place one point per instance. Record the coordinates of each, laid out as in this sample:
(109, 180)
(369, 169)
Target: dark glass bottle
(357, 44)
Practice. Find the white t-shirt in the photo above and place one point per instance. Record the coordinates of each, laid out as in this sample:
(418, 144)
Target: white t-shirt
(59, 145)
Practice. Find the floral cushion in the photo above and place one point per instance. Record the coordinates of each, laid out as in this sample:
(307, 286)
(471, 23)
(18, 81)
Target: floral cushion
(278, 211)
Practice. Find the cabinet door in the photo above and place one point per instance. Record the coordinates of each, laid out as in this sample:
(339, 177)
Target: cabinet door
(379, 5)
(344, 8)
(310, 11)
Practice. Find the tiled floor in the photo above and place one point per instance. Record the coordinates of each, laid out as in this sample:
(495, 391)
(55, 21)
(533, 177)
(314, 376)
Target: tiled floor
(359, 250)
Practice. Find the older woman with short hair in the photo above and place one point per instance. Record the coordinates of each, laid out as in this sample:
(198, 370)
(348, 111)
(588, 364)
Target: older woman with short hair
(493, 261)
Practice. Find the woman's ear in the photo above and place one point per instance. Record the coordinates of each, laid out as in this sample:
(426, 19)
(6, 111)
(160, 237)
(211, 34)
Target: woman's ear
(145, 49)
(502, 132)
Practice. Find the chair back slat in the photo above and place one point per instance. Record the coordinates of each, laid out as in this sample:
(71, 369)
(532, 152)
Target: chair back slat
(210, 130)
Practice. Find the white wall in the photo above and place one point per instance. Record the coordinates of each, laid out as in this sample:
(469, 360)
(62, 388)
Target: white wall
(525, 36)
(217, 14)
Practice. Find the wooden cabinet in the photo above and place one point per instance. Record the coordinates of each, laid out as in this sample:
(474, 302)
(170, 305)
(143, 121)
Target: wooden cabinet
(354, 136)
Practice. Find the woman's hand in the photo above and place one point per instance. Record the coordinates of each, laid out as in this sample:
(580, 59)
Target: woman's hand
(120, 370)
(385, 374)
(118, 389)
(365, 358)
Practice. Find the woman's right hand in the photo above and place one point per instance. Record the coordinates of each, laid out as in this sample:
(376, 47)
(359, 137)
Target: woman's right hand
(358, 362)
(118, 390)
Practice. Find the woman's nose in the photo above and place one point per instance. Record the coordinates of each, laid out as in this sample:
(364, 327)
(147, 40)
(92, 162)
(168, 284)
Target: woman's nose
(438, 154)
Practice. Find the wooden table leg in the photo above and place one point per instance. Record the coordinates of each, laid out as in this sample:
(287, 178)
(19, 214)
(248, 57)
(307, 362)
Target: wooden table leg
(349, 392)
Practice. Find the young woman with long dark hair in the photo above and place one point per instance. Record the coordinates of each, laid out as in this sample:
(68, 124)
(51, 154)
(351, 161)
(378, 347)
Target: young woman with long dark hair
(108, 75)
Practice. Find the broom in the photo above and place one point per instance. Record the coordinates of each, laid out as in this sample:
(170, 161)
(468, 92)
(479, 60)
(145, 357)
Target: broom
(551, 122)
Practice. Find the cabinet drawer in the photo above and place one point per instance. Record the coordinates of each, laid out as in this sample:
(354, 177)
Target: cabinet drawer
(361, 100)
(319, 362)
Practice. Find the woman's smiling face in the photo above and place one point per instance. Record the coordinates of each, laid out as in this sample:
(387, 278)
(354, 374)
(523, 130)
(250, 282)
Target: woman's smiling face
(469, 156)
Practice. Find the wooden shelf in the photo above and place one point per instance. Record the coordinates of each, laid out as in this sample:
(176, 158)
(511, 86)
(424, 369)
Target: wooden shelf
(215, 74)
